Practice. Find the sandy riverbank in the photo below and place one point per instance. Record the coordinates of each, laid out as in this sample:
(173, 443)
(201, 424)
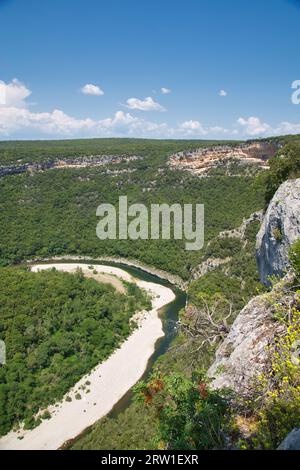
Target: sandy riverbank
(171, 278)
(108, 382)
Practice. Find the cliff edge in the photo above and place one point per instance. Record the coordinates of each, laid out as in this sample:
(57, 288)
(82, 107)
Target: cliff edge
(279, 230)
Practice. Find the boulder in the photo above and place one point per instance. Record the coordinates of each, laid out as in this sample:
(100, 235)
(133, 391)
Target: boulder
(292, 441)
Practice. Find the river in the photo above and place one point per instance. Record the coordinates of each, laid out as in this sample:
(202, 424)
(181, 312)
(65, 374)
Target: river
(131, 362)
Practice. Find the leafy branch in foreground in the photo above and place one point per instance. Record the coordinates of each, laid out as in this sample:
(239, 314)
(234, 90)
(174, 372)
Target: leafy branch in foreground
(190, 414)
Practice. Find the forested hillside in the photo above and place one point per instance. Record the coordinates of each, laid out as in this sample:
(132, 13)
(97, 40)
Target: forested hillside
(54, 212)
(16, 152)
(56, 327)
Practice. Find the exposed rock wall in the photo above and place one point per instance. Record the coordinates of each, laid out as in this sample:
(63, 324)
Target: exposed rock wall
(279, 230)
(210, 264)
(201, 160)
(75, 162)
(244, 354)
(241, 230)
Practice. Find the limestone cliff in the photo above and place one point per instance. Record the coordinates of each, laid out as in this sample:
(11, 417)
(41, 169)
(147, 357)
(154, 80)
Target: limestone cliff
(243, 354)
(280, 228)
(203, 159)
(70, 162)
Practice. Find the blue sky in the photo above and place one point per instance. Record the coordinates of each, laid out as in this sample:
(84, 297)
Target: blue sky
(130, 50)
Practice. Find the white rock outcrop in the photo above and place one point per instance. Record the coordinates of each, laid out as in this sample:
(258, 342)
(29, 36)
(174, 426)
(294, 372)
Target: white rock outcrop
(279, 230)
(243, 354)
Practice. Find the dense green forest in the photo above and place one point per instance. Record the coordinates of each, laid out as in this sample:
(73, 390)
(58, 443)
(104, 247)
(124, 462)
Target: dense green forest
(14, 152)
(53, 212)
(56, 327)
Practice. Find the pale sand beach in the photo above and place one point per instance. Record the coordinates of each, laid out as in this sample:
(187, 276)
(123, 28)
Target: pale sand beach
(108, 382)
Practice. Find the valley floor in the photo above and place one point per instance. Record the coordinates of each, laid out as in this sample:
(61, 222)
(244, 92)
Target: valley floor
(96, 393)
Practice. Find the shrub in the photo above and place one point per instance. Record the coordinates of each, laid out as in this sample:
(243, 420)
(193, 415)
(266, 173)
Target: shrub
(295, 257)
(277, 234)
(46, 415)
(190, 414)
(285, 165)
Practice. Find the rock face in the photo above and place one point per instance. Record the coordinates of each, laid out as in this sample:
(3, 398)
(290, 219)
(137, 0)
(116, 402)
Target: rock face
(292, 441)
(208, 265)
(280, 228)
(243, 354)
(241, 230)
(75, 162)
(201, 160)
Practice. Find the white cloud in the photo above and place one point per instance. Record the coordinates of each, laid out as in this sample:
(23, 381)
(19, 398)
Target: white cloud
(2, 93)
(165, 91)
(223, 93)
(253, 126)
(13, 93)
(148, 104)
(196, 129)
(192, 128)
(287, 128)
(16, 118)
(90, 89)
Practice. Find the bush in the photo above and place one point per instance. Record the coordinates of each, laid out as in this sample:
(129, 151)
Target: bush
(295, 257)
(191, 415)
(46, 415)
(285, 165)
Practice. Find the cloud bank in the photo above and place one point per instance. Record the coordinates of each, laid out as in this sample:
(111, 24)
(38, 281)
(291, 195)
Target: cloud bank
(17, 118)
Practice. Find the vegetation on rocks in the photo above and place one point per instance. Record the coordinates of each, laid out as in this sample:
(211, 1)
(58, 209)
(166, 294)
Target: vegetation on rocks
(285, 165)
(191, 415)
(295, 258)
(273, 405)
